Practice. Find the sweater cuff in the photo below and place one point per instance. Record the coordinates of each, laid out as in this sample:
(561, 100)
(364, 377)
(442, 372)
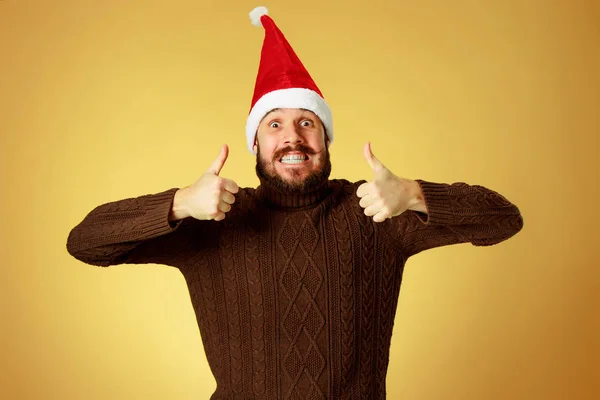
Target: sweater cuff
(437, 201)
(155, 221)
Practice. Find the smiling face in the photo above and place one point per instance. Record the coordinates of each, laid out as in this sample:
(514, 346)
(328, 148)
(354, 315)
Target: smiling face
(291, 150)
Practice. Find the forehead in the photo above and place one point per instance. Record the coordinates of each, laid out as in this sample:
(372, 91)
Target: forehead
(291, 112)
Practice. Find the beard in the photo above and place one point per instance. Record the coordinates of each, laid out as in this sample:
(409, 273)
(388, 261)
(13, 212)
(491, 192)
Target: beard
(295, 186)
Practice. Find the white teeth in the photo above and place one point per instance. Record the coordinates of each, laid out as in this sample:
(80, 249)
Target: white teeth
(293, 158)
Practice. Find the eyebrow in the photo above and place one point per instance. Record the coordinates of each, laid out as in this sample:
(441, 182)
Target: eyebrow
(272, 111)
(267, 114)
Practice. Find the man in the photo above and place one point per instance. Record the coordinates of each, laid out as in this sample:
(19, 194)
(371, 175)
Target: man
(295, 283)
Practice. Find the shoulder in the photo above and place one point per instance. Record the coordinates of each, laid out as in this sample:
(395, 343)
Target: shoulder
(344, 191)
(345, 186)
(244, 198)
(247, 206)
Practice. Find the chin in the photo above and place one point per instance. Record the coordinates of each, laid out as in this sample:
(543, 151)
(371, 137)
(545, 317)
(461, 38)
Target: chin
(294, 179)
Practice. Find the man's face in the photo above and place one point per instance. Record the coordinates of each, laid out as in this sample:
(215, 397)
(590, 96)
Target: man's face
(291, 150)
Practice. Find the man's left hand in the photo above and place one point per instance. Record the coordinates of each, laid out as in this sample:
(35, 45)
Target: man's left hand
(387, 195)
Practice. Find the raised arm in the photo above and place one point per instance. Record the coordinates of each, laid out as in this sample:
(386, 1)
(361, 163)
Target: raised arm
(420, 215)
(455, 213)
(142, 229)
(115, 233)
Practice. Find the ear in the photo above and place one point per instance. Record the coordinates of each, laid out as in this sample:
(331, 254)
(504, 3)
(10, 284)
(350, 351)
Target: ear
(255, 146)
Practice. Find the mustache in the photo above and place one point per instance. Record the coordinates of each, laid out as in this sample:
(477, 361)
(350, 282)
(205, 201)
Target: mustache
(300, 147)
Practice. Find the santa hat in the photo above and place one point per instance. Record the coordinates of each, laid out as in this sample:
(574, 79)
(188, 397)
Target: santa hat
(282, 81)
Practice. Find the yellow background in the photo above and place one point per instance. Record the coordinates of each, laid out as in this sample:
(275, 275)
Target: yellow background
(103, 100)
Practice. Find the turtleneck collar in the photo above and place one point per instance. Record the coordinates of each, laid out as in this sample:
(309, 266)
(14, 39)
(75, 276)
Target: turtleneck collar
(272, 196)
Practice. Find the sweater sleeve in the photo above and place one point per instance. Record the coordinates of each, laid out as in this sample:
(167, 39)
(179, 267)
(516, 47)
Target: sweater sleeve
(134, 230)
(457, 213)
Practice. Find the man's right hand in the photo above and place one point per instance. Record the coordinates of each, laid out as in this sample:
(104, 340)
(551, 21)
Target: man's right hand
(210, 197)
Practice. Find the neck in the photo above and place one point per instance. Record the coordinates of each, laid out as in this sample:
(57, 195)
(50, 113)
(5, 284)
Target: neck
(273, 196)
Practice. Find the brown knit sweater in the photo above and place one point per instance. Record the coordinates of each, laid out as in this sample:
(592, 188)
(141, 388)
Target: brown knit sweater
(295, 297)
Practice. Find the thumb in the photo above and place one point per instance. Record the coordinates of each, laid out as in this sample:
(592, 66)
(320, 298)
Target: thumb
(373, 162)
(216, 166)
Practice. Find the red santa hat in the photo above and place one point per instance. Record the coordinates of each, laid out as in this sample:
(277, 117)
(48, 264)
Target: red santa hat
(282, 81)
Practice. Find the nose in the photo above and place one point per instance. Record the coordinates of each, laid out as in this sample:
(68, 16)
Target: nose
(291, 135)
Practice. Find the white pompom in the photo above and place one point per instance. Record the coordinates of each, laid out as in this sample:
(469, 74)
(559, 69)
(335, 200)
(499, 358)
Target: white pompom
(256, 14)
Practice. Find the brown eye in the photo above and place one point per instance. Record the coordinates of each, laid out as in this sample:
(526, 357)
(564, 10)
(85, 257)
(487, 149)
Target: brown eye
(306, 123)
(274, 124)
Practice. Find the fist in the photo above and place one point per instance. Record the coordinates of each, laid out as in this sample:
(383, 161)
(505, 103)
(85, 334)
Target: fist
(211, 196)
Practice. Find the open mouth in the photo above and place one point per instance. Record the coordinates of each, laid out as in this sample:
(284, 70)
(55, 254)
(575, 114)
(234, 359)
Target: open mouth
(294, 158)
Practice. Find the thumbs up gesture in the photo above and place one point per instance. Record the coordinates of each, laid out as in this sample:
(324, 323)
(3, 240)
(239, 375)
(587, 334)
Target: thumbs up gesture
(386, 195)
(210, 197)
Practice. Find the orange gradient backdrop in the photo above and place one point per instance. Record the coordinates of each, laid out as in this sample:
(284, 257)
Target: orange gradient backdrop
(103, 100)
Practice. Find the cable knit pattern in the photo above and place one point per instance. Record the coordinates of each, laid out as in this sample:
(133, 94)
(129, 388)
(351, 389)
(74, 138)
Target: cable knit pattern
(295, 296)
(366, 299)
(201, 287)
(301, 280)
(346, 303)
(257, 313)
(232, 292)
(392, 266)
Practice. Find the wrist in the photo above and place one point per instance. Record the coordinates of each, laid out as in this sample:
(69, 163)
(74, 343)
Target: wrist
(417, 199)
(179, 209)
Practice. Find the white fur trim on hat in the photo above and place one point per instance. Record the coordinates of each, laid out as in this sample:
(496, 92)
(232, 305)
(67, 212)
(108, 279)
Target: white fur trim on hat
(288, 98)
